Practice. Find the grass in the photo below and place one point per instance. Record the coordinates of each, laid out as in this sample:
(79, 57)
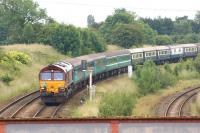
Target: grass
(112, 47)
(119, 83)
(146, 105)
(27, 79)
(194, 107)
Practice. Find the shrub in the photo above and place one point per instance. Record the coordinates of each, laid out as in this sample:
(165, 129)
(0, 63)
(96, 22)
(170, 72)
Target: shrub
(150, 78)
(167, 79)
(163, 40)
(6, 78)
(197, 63)
(19, 57)
(117, 104)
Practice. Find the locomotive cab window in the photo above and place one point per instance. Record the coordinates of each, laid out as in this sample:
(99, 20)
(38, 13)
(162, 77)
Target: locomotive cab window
(58, 76)
(45, 76)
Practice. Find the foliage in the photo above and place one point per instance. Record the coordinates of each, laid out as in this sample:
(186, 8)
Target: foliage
(91, 21)
(163, 40)
(28, 33)
(182, 25)
(155, 80)
(162, 25)
(16, 19)
(197, 63)
(126, 35)
(67, 40)
(148, 33)
(117, 104)
(45, 33)
(6, 78)
(74, 42)
(19, 57)
(9, 62)
(188, 38)
(120, 16)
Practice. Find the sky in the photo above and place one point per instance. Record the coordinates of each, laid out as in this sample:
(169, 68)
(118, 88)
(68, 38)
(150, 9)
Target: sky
(76, 11)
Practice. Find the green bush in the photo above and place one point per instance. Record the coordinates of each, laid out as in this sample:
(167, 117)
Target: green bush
(6, 78)
(167, 79)
(150, 78)
(163, 40)
(117, 104)
(197, 63)
(19, 57)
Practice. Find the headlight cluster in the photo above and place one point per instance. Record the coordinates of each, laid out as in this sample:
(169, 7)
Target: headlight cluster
(61, 89)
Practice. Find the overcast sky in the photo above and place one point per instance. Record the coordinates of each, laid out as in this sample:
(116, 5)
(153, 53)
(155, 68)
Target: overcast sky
(76, 11)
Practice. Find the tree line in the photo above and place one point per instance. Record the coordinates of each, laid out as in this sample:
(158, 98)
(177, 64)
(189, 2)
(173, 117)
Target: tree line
(125, 29)
(23, 21)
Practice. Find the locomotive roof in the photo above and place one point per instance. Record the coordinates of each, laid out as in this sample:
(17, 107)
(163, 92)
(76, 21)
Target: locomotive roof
(117, 53)
(66, 66)
(77, 61)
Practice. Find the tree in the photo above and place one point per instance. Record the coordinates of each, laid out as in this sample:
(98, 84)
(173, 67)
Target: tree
(196, 23)
(163, 40)
(90, 21)
(161, 25)
(66, 38)
(28, 33)
(15, 14)
(197, 17)
(126, 35)
(182, 26)
(148, 33)
(45, 32)
(120, 16)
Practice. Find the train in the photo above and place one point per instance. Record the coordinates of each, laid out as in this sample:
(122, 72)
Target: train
(60, 80)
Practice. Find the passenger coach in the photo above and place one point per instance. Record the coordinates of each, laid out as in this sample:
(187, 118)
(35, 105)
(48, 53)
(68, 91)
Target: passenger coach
(59, 80)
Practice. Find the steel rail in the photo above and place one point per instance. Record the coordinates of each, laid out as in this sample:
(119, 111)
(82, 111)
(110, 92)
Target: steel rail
(23, 106)
(184, 103)
(177, 98)
(17, 100)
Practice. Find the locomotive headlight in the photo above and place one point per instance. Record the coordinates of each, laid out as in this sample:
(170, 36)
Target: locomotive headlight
(61, 89)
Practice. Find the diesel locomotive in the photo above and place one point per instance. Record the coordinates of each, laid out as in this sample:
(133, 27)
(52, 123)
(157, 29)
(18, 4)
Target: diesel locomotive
(60, 80)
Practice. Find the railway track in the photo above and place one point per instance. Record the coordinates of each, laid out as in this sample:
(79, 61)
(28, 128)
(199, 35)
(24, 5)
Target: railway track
(18, 108)
(30, 106)
(176, 106)
(48, 111)
(12, 108)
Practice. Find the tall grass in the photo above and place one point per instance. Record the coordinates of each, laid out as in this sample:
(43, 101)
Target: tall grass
(26, 79)
(107, 87)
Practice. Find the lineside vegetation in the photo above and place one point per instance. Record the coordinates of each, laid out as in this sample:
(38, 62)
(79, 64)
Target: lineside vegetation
(150, 79)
